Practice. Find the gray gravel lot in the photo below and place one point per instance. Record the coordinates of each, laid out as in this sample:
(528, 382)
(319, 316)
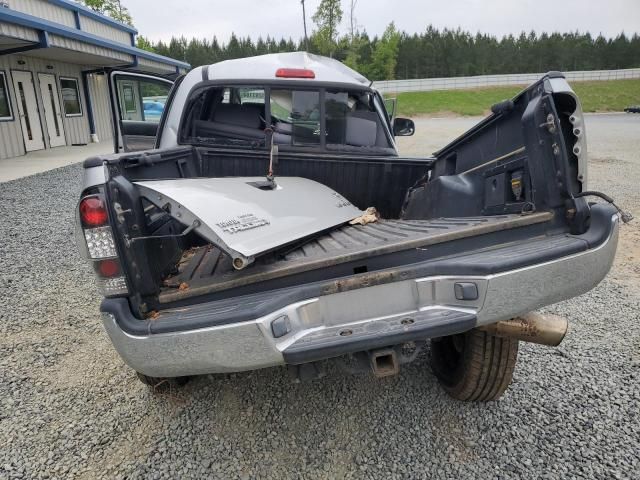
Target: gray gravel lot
(69, 408)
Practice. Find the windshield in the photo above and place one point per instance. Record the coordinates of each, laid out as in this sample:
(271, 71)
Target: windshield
(255, 115)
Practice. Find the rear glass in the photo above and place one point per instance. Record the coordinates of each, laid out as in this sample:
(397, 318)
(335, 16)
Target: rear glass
(239, 116)
(243, 95)
(352, 120)
(295, 116)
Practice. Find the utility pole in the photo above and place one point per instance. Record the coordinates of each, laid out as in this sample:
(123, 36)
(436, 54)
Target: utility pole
(352, 19)
(304, 22)
(331, 29)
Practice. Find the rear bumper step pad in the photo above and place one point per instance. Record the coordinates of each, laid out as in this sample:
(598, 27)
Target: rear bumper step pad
(339, 340)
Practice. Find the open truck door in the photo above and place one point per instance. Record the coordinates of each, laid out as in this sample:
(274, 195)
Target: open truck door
(137, 103)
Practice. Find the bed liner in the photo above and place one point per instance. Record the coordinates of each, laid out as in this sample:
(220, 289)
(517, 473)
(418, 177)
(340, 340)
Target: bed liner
(206, 269)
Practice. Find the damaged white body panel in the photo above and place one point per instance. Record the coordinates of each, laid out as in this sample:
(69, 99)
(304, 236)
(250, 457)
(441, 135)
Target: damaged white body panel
(245, 220)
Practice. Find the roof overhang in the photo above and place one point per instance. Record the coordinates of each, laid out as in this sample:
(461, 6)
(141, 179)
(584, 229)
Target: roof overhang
(29, 35)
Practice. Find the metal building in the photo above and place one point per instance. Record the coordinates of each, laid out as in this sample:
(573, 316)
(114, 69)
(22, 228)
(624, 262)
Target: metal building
(53, 91)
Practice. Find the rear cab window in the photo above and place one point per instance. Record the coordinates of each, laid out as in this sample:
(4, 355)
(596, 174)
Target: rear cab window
(298, 118)
(295, 116)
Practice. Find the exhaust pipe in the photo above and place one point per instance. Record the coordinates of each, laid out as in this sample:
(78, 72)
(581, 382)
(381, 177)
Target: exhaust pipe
(532, 327)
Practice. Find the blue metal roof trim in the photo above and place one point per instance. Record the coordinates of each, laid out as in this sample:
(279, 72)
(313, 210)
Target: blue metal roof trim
(87, 12)
(29, 21)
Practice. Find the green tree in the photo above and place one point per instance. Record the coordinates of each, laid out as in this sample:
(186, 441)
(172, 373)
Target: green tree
(327, 18)
(111, 8)
(385, 55)
(144, 43)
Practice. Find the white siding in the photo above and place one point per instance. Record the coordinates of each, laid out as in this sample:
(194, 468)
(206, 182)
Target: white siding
(76, 128)
(71, 44)
(99, 92)
(16, 31)
(44, 9)
(153, 66)
(103, 30)
(64, 16)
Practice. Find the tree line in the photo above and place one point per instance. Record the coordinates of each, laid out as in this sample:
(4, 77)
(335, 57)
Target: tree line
(394, 54)
(433, 53)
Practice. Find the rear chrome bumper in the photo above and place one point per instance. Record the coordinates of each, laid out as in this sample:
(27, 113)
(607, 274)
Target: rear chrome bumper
(364, 318)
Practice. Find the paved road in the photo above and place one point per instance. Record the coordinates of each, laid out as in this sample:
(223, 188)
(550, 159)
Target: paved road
(69, 408)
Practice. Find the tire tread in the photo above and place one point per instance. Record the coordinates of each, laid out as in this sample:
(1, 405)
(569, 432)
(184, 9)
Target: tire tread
(488, 366)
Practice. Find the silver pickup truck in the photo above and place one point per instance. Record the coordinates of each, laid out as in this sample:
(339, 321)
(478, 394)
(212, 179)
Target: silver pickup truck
(267, 220)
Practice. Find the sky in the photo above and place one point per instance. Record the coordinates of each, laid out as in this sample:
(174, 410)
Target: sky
(162, 19)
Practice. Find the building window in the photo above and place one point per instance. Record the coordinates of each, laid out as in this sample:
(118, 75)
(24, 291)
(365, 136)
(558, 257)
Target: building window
(70, 97)
(5, 104)
(128, 98)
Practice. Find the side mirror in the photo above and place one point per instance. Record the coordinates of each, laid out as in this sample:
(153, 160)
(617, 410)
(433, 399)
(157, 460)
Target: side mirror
(403, 127)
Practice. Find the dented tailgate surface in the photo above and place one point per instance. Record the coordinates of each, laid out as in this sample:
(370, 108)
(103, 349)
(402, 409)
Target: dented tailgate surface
(245, 220)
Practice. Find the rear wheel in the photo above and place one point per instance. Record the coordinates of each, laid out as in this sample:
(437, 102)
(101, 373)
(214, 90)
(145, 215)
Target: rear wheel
(161, 384)
(475, 365)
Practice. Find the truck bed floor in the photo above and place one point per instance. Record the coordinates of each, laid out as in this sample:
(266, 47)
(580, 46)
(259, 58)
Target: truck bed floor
(206, 269)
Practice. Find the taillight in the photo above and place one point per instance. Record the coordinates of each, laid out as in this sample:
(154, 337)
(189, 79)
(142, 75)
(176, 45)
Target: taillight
(98, 244)
(93, 211)
(108, 268)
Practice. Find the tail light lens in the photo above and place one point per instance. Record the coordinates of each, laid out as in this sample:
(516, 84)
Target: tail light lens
(93, 211)
(100, 242)
(108, 268)
(97, 243)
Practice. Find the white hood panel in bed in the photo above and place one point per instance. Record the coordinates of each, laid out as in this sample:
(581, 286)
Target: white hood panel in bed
(245, 220)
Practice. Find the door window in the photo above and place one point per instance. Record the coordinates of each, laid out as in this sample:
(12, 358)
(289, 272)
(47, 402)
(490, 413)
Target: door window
(54, 109)
(128, 98)
(25, 109)
(137, 103)
(70, 97)
(141, 99)
(5, 104)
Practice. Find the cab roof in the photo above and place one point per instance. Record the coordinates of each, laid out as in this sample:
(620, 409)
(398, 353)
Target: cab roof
(263, 67)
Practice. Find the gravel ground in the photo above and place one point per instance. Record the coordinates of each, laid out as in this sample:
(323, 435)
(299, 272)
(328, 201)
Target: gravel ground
(69, 408)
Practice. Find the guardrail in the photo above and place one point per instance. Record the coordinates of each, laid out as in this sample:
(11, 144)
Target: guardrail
(479, 81)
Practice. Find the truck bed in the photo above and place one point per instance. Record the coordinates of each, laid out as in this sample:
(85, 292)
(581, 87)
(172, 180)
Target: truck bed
(206, 269)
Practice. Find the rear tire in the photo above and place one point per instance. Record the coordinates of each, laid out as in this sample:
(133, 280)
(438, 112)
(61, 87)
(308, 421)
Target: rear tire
(161, 384)
(474, 366)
